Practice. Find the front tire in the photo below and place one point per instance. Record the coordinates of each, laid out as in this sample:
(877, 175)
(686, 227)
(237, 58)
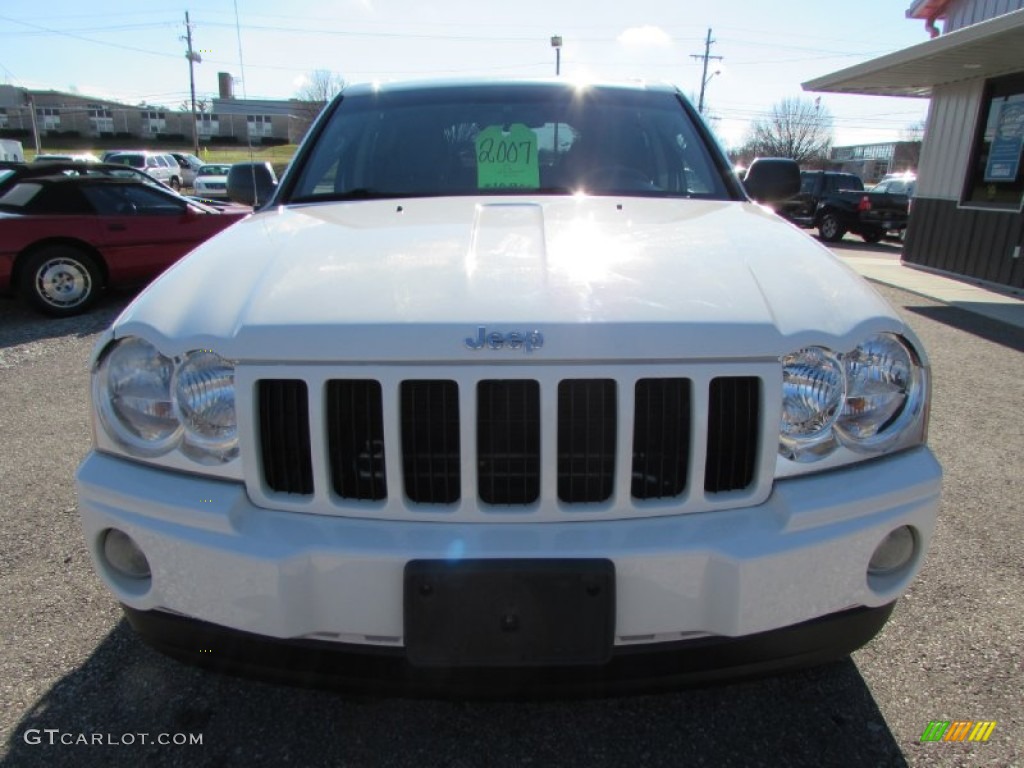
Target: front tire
(829, 228)
(61, 280)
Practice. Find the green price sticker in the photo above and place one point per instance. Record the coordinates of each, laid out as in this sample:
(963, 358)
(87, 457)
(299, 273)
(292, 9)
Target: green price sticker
(507, 159)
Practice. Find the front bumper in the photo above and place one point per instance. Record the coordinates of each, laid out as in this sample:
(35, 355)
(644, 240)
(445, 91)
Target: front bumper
(385, 671)
(338, 582)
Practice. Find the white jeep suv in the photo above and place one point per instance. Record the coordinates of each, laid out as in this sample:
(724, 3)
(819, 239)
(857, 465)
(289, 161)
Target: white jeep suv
(513, 384)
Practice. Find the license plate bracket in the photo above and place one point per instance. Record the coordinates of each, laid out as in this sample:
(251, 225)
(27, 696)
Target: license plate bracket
(509, 612)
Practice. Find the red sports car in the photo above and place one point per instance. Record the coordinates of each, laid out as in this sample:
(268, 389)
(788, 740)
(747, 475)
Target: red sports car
(63, 238)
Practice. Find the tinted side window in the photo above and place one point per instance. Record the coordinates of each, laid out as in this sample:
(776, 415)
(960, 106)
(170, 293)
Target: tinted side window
(133, 199)
(59, 199)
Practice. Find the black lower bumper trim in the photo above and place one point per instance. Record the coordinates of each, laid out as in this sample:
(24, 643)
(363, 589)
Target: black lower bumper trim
(386, 671)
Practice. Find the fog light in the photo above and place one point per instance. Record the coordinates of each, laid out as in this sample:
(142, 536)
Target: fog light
(124, 555)
(895, 551)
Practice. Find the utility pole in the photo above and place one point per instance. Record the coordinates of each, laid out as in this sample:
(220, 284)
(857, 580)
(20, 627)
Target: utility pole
(193, 59)
(704, 75)
(35, 126)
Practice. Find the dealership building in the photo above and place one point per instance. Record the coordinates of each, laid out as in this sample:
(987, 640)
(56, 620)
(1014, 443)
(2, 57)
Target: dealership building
(967, 215)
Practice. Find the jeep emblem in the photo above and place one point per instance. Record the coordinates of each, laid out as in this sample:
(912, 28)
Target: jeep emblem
(528, 340)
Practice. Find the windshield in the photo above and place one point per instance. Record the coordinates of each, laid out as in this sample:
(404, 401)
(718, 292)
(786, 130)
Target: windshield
(214, 170)
(508, 139)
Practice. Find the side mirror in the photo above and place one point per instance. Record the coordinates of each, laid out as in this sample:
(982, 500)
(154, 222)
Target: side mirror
(771, 179)
(251, 183)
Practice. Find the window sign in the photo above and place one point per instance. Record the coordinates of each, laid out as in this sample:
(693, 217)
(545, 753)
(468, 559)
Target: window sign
(507, 158)
(1004, 156)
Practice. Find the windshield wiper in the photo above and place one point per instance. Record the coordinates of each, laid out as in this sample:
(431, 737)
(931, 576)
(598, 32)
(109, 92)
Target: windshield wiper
(359, 193)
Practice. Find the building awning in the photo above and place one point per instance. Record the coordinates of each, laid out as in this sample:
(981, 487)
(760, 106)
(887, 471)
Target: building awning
(986, 49)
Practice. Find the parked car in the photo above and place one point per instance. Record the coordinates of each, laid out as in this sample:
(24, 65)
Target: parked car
(897, 184)
(159, 165)
(72, 168)
(212, 180)
(189, 165)
(837, 203)
(64, 238)
(77, 157)
(468, 404)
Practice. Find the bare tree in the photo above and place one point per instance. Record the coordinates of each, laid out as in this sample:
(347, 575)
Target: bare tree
(320, 87)
(201, 106)
(797, 128)
(913, 131)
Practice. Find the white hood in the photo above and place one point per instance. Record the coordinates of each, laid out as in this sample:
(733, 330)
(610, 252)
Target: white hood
(600, 278)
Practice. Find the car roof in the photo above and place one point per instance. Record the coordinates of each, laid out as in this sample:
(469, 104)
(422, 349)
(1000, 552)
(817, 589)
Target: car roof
(62, 178)
(61, 167)
(499, 83)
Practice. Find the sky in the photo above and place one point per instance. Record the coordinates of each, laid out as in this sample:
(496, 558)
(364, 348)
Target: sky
(134, 50)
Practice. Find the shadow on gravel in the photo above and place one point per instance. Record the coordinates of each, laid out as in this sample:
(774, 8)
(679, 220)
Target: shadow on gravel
(971, 322)
(21, 325)
(824, 716)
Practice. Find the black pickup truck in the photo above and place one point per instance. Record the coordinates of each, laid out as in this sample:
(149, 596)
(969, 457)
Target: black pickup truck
(837, 203)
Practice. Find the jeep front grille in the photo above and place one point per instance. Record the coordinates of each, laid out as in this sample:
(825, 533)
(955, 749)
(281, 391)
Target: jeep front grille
(473, 445)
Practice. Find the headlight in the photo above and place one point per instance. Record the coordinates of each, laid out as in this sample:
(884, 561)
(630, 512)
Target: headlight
(813, 388)
(204, 393)
(132, 391)
(870, 400)
(886, 391)
(150, 404)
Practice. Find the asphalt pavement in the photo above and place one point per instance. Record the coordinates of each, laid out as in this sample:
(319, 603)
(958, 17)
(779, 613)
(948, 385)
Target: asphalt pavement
(77, 687)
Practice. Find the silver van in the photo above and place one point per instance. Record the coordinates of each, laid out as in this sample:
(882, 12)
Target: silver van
(160, 165)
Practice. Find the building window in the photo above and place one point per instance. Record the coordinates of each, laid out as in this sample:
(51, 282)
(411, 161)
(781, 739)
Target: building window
(208, 124)
(3, 118)
(258, 125)
(101, 120)
(49, 118)
(995, 176)
(154, 122)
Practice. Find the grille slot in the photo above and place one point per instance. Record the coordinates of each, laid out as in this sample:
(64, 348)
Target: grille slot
(733, 416)
(661, 438)
(355, 435)
(508, 441)
(586, 439)
(430, 441)
(284, 435)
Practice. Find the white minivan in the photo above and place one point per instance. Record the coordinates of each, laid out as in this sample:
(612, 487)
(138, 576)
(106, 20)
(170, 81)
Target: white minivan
(160, 165)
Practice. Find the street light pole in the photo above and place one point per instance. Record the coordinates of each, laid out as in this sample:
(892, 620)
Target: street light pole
(556, 43)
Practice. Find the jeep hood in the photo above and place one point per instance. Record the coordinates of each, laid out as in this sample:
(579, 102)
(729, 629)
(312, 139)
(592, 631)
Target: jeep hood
(601, 278)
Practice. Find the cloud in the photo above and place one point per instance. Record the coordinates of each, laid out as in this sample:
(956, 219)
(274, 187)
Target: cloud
(645, 36)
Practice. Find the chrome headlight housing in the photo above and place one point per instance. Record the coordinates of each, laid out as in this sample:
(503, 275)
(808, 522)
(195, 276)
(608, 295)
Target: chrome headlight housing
(870, 400)
(151, 405)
